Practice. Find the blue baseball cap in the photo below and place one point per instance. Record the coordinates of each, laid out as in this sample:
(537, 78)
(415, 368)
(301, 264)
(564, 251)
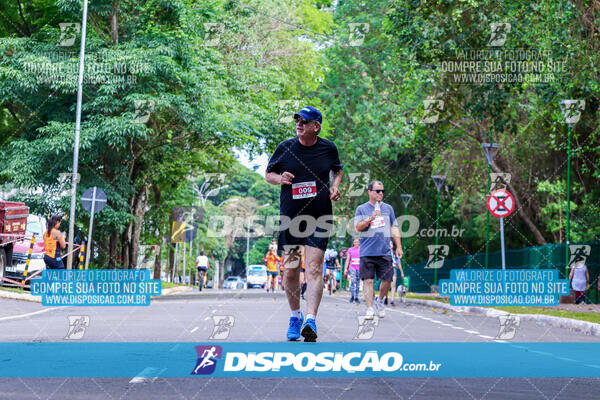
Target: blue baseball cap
(310, 113)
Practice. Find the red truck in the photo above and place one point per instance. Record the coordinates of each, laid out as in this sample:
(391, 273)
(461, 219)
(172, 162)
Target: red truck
(13, 225)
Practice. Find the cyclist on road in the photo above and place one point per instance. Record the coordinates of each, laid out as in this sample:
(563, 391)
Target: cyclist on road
(332, 264)
(302, 166)
(201, 270)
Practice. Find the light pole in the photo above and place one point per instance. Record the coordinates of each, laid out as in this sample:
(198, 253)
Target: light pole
(248, 241)
(77, 130)
(406, 198)
(571, 110)
(438, 181)
(489, 150)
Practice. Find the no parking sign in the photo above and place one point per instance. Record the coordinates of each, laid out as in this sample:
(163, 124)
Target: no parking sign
(501, 203)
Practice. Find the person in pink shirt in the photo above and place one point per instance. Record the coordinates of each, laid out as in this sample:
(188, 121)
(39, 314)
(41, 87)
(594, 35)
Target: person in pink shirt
(352, 268)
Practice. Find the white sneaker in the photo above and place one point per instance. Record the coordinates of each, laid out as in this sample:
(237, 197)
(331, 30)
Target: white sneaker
(370, 313)
(380, 308)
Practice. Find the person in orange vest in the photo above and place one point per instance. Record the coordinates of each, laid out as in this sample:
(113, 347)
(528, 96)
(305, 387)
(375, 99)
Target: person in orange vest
(54, 242)
(272, 274)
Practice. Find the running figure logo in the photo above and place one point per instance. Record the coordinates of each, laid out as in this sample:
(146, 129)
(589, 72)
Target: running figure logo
(207, 359)
(77, 326)
(499, 180)
(357, 182)
(578, 252)
(437, 255)
(499, 32)
(222, 326)
(291, 256)
(68, 33)
(358, 32)
(572, 110)
(433, 109)
(212, 33)
(366, 328)
(508, 326)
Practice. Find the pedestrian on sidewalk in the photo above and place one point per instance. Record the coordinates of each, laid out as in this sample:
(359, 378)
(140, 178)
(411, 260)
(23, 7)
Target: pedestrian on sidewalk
(580, 278)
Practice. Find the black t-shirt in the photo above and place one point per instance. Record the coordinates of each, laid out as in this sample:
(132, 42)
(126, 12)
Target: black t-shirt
(310, 165)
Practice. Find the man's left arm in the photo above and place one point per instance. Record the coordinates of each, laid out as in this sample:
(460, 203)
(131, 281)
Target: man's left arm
(334, 190)
(396, 234)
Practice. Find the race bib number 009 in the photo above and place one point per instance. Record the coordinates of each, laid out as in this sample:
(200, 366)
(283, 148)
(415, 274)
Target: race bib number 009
(304, 190)
(378, 222)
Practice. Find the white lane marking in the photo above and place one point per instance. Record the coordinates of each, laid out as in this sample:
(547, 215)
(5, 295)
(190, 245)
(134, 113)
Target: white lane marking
(458, 327)
(472, 332)
(500, 341)
(194, 330)
(486, 337)
(147, 375)
(30, 314)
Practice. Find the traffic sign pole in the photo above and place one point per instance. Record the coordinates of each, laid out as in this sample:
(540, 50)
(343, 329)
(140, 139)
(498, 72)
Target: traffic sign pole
(89, 241)
(502, 244)
(568, 196)
(93, 200)
(501, 204)
(487, 224)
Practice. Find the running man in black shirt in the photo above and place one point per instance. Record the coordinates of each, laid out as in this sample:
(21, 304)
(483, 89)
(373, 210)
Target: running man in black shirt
(301, 166)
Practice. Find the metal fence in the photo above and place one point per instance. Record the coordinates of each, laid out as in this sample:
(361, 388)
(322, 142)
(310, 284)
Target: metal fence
(540, 257)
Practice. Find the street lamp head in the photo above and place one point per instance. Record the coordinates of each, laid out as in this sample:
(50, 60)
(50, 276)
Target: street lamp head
(571, 110)
(438, 181)
(406, 198)
(489, 150)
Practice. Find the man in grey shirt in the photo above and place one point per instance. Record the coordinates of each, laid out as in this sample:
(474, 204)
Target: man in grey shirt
(376, 222)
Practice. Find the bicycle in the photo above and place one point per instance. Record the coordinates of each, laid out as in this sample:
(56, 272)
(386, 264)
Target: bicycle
(201, 273)
(331, 281)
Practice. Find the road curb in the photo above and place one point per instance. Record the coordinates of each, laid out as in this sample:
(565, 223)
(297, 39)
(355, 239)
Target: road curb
(588, 328)
(25, 296)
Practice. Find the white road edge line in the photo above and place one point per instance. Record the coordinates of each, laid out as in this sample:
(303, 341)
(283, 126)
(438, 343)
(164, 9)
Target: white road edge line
(30, 314)
(194, 330)
(143, 375)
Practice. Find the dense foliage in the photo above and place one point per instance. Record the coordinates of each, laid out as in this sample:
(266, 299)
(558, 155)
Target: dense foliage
(173, 87)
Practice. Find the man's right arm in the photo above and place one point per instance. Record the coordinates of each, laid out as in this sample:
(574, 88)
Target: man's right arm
(273, 178)
(364, 224)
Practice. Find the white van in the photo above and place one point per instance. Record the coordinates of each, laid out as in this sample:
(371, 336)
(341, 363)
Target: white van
(257, 276)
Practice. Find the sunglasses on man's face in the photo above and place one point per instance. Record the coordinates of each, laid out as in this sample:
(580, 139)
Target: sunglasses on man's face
(378, 191)
(302, 120)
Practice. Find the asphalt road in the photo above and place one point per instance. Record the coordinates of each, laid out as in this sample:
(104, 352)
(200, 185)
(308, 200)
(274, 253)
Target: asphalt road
(261, 317)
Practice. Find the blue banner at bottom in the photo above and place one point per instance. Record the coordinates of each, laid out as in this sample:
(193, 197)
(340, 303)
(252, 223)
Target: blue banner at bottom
(236, 359)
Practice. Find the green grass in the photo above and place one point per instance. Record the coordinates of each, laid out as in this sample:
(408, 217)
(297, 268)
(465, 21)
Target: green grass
(14, 289)
(589, 316)
(168, 285)
(582, 316)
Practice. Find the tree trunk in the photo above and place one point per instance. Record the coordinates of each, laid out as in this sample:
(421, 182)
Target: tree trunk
(113, 251)
(125, 239)
(114, 24)
(141, 202)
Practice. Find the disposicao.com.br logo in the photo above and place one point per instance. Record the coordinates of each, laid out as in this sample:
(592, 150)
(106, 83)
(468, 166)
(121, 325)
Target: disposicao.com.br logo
(288, 363)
